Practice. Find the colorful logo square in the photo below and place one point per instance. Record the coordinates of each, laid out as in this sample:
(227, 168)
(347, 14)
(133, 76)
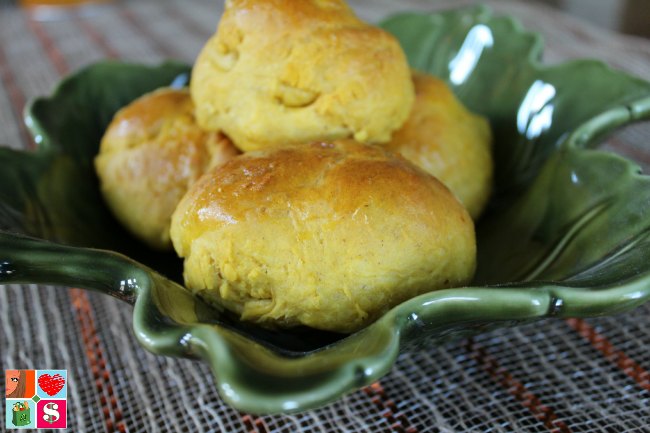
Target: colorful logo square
(51, 414)
(20, 414)
(20, 383)
(52, 383)
(36, 399)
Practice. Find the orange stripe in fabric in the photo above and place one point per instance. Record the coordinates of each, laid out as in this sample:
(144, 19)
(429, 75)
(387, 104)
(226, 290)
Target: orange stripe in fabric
(254, 424)
(159, 45)
(611, 353)
(96, 37)
(52, 52)
(517, 389)
(190, 26)
(388, 409)
(95, 355)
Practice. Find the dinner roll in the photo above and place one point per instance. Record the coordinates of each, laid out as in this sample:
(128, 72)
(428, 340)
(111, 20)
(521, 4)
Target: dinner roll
(325, 235)
(449, 142)
(152, 151)
(293, 71)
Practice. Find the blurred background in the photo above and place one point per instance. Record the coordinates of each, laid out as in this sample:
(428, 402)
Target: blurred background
(625, 16)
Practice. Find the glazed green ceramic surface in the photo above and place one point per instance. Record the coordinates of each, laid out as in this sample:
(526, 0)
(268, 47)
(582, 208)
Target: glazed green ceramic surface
(567, 233)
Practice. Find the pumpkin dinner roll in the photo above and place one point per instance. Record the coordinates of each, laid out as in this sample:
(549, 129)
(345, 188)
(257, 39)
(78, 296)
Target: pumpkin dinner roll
(152, 151)
(279, 72)
(448, 141)
(325, 235)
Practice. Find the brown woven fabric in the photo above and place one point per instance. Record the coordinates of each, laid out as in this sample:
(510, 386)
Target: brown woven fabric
(560, 376)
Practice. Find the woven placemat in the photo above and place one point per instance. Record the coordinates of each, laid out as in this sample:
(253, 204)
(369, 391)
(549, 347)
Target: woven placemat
(556, 375)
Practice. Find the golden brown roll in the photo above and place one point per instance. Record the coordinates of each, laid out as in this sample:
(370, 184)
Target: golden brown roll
(325, 235)
(152, 151)
(294, 71)
(449, 142)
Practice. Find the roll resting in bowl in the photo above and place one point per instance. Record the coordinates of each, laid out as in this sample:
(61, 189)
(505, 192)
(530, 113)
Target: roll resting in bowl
(152, 151)
(327, 235)
(281, 72)
(448, 141)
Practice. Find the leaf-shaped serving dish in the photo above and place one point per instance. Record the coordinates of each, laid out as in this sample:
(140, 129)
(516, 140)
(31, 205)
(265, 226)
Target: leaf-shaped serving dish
(567, 232)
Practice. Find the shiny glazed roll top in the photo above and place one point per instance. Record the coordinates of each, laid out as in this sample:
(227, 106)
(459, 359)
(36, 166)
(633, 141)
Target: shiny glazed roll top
(328, 235)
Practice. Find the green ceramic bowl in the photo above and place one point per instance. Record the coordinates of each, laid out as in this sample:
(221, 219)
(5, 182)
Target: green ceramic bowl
(567, 232)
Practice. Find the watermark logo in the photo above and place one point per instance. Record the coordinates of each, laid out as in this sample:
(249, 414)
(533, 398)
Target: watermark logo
(51, 414)
(36, 399)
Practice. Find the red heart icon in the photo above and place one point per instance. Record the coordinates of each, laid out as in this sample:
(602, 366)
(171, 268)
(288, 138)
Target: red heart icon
(51, 385)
